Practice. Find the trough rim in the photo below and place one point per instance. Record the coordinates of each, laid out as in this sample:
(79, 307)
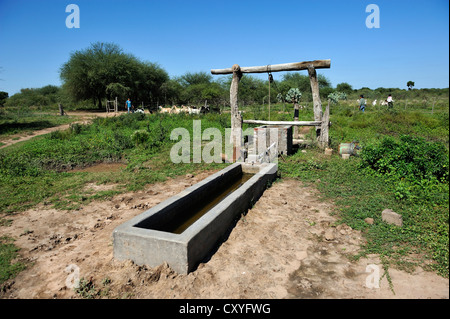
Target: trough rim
(129, 227)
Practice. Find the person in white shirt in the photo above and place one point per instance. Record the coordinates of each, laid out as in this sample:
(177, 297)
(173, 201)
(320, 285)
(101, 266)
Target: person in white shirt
(390, 101)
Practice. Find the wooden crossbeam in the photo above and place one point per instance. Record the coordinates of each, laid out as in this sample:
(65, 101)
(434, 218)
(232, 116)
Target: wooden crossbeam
(296, 66)
(299, 123)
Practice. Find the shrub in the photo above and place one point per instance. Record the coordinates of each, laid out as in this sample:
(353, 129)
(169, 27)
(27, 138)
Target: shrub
(410, 158)
(140, 137)
(335, 96)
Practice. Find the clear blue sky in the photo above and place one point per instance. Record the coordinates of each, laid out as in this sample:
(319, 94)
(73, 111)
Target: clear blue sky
(412, 42)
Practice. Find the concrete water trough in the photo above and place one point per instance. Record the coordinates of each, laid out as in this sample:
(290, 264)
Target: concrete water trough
(184, 229)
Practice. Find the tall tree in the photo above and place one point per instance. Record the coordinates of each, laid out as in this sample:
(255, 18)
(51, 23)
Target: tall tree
(410, 85)
(190, 78)
(198, 87)
(103, 70)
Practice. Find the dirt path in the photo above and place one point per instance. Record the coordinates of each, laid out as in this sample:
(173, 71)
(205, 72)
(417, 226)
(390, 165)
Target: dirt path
(286, 246)
(84, 118)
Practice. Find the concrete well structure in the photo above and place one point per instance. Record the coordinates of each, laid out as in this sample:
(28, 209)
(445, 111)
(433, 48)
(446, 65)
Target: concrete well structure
(263, 138)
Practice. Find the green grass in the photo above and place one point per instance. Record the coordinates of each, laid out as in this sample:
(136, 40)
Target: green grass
(8, 252)
(41, 170)
(23, 121)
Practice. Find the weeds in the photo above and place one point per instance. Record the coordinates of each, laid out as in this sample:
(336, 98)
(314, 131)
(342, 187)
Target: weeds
(8, 252)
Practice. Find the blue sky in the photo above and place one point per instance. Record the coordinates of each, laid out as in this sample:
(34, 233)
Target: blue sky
(195, 35)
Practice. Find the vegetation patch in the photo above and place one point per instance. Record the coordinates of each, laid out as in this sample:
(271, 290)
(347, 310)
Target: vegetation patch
(8, 253)
(408, 175)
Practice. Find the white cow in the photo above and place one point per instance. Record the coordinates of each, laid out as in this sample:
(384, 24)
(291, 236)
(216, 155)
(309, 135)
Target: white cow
(193, 111)
(374, 102)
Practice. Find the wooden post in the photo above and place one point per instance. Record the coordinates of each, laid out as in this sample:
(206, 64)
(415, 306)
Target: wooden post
(236, 117)
(324, 128)
(269, 99)
(317, 104)
(296, 109)
(61, 110)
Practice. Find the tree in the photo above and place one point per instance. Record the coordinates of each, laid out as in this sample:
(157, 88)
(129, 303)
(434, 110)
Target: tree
(3, 97)
(198, 87)
(103, 70)
(296, 80)
(27, 97)
(410, 85)
(252, 90)
(344, 87)
(303, 83)
(171, 91)
(195, 78)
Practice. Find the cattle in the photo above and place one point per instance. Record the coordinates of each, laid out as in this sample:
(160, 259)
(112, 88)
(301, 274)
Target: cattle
(184, 109)
(174, 110)
(193, 111)
(204, 110)
(164, 109)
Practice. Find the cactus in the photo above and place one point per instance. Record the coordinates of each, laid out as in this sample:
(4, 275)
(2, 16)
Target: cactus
(293, 95)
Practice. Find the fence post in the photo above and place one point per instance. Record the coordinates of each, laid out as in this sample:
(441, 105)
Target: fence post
(61, 110)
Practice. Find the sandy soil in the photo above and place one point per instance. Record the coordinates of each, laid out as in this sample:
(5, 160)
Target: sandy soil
(286, 246)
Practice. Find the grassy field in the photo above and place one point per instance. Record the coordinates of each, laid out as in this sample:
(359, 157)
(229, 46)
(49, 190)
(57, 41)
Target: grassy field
(403, 166)
(24, 121)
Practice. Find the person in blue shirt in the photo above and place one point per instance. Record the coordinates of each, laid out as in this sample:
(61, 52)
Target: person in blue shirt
(128, 104)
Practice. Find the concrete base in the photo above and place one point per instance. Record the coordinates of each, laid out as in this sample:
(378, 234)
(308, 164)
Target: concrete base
(265, 135)
(136, 240)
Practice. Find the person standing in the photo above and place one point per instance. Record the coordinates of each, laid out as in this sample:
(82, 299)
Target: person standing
(128, 104)
(390, 101)
(362, 103)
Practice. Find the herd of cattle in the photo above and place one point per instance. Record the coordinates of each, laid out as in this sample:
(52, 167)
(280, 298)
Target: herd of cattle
(183, 109)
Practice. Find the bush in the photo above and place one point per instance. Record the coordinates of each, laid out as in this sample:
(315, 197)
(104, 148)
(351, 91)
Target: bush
(410, 158)
(140, 137)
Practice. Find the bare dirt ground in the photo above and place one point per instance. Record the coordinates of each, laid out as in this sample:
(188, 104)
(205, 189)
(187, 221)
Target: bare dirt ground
(286, 246)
